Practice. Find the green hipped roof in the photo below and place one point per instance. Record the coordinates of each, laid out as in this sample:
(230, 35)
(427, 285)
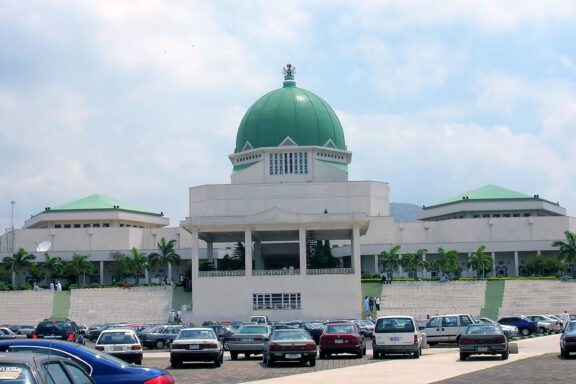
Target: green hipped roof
(487, 192)
(99, 202)
(289, 112)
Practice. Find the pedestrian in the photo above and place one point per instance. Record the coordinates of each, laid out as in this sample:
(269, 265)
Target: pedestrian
(565, 317)
(58, 286)
(366, 304)
(172, 316)
(377, 302)
(383, 277)
(371, 303)
(52, 285)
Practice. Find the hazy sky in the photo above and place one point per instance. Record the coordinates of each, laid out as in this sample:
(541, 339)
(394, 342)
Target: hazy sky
(140, 100)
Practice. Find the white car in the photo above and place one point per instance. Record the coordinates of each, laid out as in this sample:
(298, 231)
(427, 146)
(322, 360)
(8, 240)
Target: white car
(122, 343)
(196, 344)
(397, 335)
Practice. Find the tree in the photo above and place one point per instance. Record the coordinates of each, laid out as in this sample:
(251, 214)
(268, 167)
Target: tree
(390, 260)
(166, 255)
(413, 261)
(447, 261)
(52, 266)
(78, 265)
(36, 271)
(322, 258)
(119, 268)
(480, 261)
(137, 264)
(567, 249)
(18, 263)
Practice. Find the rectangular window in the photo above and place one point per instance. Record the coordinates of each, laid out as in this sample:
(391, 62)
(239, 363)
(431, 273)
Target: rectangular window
(66, 225)
(57, 226)
(121, 225)
(96, 225)
(86, 225)
(106, 225)
(76, 225)
(276, 301)
(289, 163)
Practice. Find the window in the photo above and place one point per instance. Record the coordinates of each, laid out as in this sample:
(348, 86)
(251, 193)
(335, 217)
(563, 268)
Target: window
(276, 301)
(121, 225)
(86, 225)
(288, 163)
(465, 320)
(57, 373)
(106, 225)
(76, 225)
(96, 225)
(57, 226)
(66, 225)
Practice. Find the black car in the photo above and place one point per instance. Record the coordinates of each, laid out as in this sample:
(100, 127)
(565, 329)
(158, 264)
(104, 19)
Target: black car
(223, 333)
(160, 336)
(58, 329)
(41, 369)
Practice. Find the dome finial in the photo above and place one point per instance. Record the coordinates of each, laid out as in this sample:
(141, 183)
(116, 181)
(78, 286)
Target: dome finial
(289, 72)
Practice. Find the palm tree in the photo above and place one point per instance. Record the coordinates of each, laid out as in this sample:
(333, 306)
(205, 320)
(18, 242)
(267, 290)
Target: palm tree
(79, 265)
(166, 256)
(480, 261)
(36, 271)
(567, 249)
(118, 268)
(52, 265)
(413, 261)
(447, 261)
(137, 264)
(18, 263)
(390, 260)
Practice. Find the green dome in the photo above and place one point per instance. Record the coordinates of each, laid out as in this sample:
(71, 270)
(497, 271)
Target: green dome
(289, 112)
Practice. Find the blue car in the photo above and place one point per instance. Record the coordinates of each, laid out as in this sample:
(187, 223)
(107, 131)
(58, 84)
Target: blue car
(103, 368)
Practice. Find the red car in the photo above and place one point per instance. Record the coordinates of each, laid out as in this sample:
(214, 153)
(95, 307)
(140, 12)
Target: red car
(342, 337)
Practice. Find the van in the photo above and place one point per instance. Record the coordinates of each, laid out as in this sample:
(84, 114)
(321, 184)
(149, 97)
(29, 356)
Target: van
(397, 335)
(446, 328)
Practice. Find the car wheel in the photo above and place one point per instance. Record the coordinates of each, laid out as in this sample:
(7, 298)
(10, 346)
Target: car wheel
(364, 351)
(505, 355)
(269, 362)
(525, 332)
(565, 354)
(322, 355)
(376, 355)
(226, 346)
(217, 362)
(463, 356)
(174, 364)
(160, 344)
(234, 355)
(359, 353)
(541, 331)
(417, 353)
(312, 362)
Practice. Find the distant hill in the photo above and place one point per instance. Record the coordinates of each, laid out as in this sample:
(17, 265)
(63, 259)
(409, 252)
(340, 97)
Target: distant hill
(404, 212)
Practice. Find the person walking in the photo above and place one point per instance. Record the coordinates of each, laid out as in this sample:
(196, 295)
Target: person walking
(371, 303)
(377, 302)
(58, 286)
(366, 304)
(52, 287)
(383, 277)
(565, 317)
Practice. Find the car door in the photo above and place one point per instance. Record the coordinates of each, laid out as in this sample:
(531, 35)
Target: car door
(432, 329)
(449, 329)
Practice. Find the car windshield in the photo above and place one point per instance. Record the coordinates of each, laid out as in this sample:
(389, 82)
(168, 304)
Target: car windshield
(290, 335)
(314, 325)
(117, 337)
(340, 328)
(253, 330)
(15, 373)
(395, 325)
(571, 327)
(196, 334)
(483, 330)
(486, 320)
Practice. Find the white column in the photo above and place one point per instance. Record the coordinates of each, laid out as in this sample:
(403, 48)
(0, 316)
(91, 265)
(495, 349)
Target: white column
(169, 272)
(302, 250)
(516, 266)
(248, 252)
(376, 270)
(101, 272)
(210, 253)
(356, 263)
(493, 254)
(194, 283)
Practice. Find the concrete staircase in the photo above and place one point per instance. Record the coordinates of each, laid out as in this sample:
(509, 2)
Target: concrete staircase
(135, 305)
(25, 307)
(421, 298)
(538, 297)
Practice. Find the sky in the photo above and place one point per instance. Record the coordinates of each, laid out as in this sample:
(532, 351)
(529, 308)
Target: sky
(141, 100)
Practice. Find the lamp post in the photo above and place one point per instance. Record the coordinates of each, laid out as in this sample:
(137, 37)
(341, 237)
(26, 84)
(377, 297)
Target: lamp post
(12, 226)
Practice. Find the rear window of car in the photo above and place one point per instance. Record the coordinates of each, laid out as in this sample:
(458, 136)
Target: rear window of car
(395, 325)
(340, 328)
(253, 330)
(15, 374)
(196, 334)
(487, 329)
(51, 327)
(117, 338)
(290, 335)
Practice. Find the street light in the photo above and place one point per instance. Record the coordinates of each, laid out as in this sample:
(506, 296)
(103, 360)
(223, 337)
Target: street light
(12, 227)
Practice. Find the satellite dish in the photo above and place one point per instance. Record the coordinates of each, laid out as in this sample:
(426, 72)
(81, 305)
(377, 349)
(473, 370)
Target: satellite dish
(44, 246)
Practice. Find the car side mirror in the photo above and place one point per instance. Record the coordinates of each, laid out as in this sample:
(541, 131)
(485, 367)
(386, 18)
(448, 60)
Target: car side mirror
(421, 328)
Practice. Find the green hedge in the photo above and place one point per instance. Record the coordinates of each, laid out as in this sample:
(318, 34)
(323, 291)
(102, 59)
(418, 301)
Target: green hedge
(551, 278)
